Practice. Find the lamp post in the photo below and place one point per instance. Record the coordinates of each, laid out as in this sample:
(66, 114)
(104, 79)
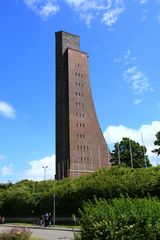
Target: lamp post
(119, 156)
(45, 167)
(54, 210)
(145, 162)
(130, 150)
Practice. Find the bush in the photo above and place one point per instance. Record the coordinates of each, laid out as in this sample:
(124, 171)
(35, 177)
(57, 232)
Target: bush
(124, 218)
(16, 234)
(25, 198)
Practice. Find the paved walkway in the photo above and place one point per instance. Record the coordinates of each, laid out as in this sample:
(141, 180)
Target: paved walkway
(47, 233)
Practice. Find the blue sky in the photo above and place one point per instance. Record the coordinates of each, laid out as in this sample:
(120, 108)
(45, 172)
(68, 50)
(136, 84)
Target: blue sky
(122, 39)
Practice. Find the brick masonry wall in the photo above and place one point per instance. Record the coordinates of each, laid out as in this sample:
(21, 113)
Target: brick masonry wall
(88, 149)
(80, 145)
(63, 42)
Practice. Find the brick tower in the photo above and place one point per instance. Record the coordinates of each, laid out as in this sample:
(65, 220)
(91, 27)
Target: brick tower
(80, 145)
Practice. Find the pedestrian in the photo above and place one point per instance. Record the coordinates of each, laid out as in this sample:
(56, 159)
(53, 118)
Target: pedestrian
(49, 219)
(3, 219)
(46, 216)
(41, 221)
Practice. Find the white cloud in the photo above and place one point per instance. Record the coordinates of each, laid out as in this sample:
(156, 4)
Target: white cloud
(115, 134)
(44, 8)
(36, 172)
(6, 170)
(7, 110)
(117, 60)
(144, 15)
(86, 5)
(77, 3)
(87, 10)
(104, 11)
(2, 157)
(107, 11)
(126, 59)
(114, 10)
(138, 101)
(140, 82)
(49, 9)
(87, 18)
(142, 1)
(146, 11)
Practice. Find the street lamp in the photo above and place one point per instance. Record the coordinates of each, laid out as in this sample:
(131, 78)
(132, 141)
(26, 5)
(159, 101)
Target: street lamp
(54, 210)
(45, 167)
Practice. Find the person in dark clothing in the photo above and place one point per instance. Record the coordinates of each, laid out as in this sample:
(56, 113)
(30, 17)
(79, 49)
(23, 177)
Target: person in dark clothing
(46, 217)
(41, 220)
(2, 219)
(49, 219)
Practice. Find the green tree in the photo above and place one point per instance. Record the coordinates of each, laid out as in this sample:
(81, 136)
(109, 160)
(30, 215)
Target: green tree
(130, 153)
(157, 143)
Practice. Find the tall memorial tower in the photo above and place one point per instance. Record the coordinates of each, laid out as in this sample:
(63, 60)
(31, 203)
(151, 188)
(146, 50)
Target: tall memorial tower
(80, 145)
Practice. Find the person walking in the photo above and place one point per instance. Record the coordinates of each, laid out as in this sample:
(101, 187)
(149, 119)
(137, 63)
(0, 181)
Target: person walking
(49, 219)
(41, 220)
(46, 217)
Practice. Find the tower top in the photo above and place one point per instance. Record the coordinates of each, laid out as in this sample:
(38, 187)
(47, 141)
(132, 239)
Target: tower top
(66, 33)
(65, 40)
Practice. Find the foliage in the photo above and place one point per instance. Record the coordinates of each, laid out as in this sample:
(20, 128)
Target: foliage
(77, 236)
(123, 218)
(127, 149)
(157, 143)
(32, 198)
(5, 185)
(16, 234)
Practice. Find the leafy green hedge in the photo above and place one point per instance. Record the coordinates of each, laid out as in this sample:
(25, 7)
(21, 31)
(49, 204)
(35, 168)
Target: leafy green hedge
(123, 218)
(31, 198)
